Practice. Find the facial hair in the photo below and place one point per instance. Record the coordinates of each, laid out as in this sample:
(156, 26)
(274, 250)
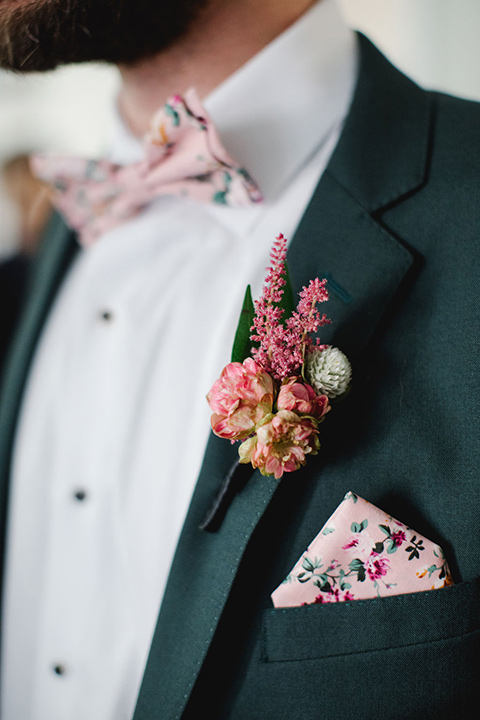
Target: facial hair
(38, 35)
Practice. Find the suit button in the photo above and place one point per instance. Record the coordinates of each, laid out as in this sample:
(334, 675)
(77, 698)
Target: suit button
(80, 495)
(106, 315)
(59, 669)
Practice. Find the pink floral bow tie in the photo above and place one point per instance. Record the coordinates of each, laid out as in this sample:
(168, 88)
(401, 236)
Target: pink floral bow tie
(183, 156)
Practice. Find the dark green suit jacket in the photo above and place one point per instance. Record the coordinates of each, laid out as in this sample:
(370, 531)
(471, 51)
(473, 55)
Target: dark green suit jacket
(394, 225)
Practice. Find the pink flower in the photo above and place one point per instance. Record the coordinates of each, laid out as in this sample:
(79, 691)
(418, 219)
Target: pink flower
(398, 537)
(333, 596)
(282, 345)
(377, 567)
(359, 545)
(323, 598)
(281, 444)
(240, 398)
(301, 398)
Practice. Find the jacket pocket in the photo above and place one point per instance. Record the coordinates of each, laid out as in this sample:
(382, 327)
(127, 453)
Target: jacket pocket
(319, 631)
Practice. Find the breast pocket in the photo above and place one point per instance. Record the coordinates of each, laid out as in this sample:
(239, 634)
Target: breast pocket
(405, 657)
(318, 631)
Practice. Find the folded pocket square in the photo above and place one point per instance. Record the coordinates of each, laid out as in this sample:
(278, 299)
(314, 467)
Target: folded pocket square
(361, 552)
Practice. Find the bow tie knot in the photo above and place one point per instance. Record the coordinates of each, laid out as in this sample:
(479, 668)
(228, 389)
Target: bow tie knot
(184, 156)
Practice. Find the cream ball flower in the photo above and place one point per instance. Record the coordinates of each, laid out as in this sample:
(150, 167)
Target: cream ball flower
(328, 371)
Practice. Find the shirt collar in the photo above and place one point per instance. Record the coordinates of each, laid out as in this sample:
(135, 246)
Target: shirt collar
(277, 109)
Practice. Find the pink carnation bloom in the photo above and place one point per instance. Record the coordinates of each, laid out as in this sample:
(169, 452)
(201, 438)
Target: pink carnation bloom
(240, 398)
(399, 537)
(376, 567)
(301, 398)
(281, 443)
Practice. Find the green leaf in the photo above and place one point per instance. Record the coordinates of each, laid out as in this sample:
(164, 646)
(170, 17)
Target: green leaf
(328, 531)
(220, 197)
(169, 110)
(361, 574)
(242, 345)
(385, 529)
(378, 548)
(358, 527)
(355, 564)
(308, 565)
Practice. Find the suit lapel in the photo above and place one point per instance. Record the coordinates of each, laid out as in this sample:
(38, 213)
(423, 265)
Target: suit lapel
(51, 264)
(362, 262)
(382, 156)
(380, 161)
(205, 566)
(340, 237)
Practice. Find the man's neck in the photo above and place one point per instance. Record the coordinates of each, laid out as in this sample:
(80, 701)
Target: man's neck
(222, 39)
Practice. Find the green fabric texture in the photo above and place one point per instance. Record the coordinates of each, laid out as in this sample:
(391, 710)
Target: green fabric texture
(394, 226)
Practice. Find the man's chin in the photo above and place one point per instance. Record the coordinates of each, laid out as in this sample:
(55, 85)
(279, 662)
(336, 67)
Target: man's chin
(33, 35)
(39, 35)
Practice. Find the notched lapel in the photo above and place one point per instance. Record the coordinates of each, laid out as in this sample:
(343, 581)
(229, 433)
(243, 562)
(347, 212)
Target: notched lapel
(381, 160)
(382, 156)
(363, 263)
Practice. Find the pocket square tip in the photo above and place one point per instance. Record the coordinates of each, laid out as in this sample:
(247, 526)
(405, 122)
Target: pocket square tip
(362, 552)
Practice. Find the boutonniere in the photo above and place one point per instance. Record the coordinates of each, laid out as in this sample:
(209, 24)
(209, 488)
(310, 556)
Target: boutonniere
(282, 380)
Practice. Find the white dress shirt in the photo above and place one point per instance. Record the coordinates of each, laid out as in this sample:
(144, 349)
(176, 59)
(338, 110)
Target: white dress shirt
(114, 420)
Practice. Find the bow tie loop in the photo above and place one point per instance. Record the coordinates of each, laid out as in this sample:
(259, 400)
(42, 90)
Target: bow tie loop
(184, 156)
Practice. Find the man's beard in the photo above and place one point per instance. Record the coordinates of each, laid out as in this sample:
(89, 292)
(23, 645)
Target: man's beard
(37, 35)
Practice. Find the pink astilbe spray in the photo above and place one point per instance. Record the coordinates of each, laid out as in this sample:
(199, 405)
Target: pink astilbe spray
(282, 346)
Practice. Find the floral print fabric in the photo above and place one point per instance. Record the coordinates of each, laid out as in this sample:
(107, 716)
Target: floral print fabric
(184, 156)
(361, 552)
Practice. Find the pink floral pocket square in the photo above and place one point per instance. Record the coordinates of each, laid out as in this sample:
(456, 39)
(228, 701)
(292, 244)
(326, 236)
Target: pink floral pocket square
(361, 552)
